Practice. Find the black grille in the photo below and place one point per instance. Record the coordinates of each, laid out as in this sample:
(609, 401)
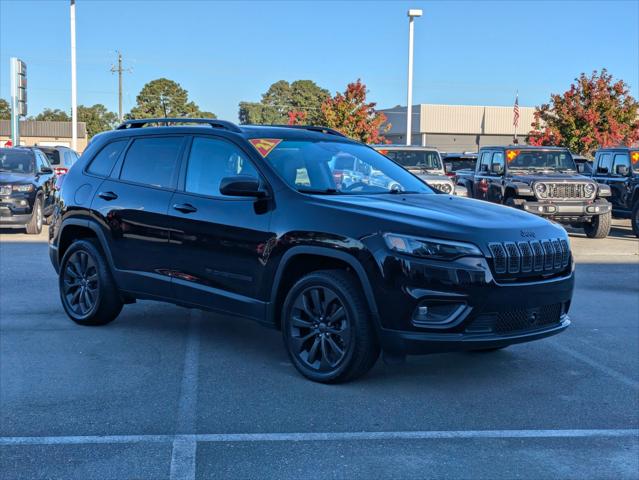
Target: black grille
(516, 320)
(526, 257)
(566, 190)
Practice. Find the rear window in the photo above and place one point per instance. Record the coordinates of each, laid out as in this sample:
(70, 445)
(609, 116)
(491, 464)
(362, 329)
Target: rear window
(152, 161)
(53, 156)
(104, 161)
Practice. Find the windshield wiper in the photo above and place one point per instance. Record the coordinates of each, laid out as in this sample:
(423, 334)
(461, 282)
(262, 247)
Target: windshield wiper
(318, 191)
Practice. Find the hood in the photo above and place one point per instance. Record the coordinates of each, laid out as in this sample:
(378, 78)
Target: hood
(549, 177)
(447, 217)
(11, 177)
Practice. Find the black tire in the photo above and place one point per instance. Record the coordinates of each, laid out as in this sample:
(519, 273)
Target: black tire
(87, 290)
(635, 218)
(327, 327)
(34, 227)
(599, 226)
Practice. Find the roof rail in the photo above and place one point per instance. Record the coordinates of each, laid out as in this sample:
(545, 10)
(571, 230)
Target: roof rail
(166, 121)
(313, 128)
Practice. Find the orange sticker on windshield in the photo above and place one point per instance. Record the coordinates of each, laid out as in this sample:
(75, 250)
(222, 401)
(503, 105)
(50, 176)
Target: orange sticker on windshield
(634, 157)
(511, 154)
(265, 145)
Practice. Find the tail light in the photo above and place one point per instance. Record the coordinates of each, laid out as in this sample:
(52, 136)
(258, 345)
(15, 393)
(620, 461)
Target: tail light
(60, 170)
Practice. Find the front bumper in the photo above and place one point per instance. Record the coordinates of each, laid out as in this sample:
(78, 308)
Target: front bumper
(15, 210)
(567, 210)
(10, 219)
(489, 312)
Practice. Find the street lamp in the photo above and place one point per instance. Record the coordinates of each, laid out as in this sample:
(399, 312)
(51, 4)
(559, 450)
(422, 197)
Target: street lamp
(74, 85)
(412, 13)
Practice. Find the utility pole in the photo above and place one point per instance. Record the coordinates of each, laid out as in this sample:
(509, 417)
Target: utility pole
(74, 85)
(119, 70)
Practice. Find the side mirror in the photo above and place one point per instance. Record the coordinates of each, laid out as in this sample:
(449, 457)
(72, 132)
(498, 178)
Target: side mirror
(448, 167)
(621, 170)
(241, 186)
(497, 168)
(581, 168)
(46, 170)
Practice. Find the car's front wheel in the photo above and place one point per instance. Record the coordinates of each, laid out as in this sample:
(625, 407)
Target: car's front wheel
(599, 226)
(327, 328)
(87, 290)
(635, 218)
(34, 227)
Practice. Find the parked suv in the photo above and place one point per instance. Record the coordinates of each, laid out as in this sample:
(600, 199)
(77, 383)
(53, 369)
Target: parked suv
(424, 162)
(619, 169)
(26, 187)
(61, 158)
(249, 221)
(540, 180)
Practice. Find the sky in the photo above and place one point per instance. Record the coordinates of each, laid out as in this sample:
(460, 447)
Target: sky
(466, 52)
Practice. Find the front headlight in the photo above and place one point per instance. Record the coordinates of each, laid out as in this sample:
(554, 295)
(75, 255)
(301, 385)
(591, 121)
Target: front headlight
(541, 190)
(23, 188)
(430, 248)
(589, 189)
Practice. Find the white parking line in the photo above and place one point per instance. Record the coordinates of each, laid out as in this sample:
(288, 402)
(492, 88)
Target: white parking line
(184, 447)
(631, 382)
(319, 436)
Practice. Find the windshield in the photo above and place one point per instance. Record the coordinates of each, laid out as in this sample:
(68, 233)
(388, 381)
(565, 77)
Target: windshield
(16, 161)
(340, 168)
(427, 160)
(539, 160)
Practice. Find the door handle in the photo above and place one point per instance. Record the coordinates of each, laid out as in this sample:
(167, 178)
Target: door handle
(184, 208)
(108, 196)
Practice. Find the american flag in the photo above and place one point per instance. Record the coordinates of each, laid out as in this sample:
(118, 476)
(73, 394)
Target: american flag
(516, 112)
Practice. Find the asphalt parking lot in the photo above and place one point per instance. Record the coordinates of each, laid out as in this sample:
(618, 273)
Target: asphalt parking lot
(169, 393)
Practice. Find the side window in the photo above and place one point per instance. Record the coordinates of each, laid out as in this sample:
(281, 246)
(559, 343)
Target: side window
(620, 159)
(605, 164)
(498, 158)
(104, 161)
(484, 163)
(152, 161)
(211, 160)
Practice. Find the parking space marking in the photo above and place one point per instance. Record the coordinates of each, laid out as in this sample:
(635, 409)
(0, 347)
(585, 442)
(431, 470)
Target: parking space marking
(317, 436)
(631, 382)
(185, 447)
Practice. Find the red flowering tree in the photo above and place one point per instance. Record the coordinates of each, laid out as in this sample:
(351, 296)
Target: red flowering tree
(351, 114)
(595, 112)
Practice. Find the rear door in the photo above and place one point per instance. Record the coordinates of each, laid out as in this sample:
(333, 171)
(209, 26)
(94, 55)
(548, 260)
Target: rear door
(620, 183)
(482, 175)
(603, 173)
(132, 206)
(218, 243)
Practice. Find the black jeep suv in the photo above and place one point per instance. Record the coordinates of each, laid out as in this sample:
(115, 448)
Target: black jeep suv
(619, 168)
(27, 182)
(541, 180)
(249, 221)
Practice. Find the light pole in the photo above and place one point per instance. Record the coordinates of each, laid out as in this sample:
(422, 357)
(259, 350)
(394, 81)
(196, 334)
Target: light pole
(412, 13)
(74, 93)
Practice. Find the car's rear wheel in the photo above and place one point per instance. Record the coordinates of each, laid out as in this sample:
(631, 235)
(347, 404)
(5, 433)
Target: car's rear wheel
(87, 290)
(599, 226)
(635, 218)
(34, 227)
(327, 328)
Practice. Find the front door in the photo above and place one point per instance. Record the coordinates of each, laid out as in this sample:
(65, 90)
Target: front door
(607, 171)
(133, 211)
(219, 244)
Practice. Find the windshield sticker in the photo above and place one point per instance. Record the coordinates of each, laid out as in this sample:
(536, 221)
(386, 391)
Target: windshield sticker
(265, 145)
(511, 155)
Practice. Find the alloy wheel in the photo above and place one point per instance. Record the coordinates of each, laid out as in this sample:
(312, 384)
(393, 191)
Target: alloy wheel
(80, 283)
(319, 329)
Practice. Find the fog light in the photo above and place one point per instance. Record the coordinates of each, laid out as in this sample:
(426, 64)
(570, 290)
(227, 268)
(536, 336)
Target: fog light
(23, 202)
(437, 313)
(540, 208)
(551, 209)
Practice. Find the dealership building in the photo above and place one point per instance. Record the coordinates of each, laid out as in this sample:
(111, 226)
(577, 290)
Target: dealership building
(45, 134)
(458, 128)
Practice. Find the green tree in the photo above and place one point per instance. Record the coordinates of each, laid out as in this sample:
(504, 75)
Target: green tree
(97, 118)
(52, 115)
(5, 110)
(283, 97)
(595, 112)
(165, 98)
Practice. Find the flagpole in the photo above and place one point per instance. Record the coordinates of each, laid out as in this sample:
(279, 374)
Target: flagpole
(517, 121)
